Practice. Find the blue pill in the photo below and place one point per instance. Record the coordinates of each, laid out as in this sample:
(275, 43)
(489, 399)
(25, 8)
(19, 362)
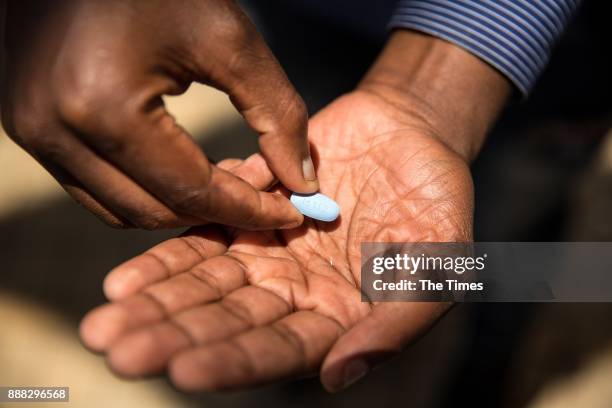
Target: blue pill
(317, 206)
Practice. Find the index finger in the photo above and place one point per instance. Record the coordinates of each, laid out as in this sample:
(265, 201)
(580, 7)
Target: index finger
(143, 141)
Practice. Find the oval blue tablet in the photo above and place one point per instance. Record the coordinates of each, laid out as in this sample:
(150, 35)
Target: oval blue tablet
(317, 206)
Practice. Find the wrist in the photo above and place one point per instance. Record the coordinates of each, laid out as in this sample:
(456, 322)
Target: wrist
(455, 93)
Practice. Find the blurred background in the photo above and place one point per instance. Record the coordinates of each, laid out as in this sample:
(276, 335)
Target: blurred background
(545, 174)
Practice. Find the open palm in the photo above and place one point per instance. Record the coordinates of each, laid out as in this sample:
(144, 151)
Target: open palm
(221, 309)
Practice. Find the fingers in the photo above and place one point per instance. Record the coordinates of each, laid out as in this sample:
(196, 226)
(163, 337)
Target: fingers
(143, 169)
(260, 90)
(143, 141)
(294, 345)
(234, 202)
(147, 350)
(383, 333)
(254, 170)
(76, 190)
(164, 260)
(209, 281)
(98, 185)
(102, 326)
(119, 201)
(182, 253)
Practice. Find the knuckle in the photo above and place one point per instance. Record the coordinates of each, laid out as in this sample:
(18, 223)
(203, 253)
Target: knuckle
(89, 113)
(235, 38)
(298, 112)
(91, 100)
(36, 134)
(242, 61)
(290, 116)
(80, 103)
(186, 199)
(92, 111)
(287, 118)
(237, 28)
(48, 146)
(246, 50)
(188, 202)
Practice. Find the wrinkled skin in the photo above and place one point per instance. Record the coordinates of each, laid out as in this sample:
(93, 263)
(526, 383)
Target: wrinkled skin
(228, 309)
(82, 93)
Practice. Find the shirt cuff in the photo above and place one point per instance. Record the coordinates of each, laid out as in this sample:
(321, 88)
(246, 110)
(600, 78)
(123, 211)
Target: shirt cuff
(516, 37)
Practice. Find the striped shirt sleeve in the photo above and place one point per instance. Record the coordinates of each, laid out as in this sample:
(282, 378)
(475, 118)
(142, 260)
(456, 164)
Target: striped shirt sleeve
(514, 36)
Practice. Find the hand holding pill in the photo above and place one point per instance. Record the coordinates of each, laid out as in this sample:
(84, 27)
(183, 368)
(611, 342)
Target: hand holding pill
(101, 127)
(393, 184)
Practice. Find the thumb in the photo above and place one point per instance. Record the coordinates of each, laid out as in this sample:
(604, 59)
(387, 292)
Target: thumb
(249, 73)
(382, 334)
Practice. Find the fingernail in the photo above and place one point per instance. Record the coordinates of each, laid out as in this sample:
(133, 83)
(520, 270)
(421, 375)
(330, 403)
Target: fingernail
(308, 169)
(354, 371)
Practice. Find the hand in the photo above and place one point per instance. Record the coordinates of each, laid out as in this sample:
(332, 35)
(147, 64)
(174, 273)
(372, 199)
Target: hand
(82, 93)
(222, 312)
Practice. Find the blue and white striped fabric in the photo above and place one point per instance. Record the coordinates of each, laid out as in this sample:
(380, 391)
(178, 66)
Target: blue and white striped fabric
(514, 36)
